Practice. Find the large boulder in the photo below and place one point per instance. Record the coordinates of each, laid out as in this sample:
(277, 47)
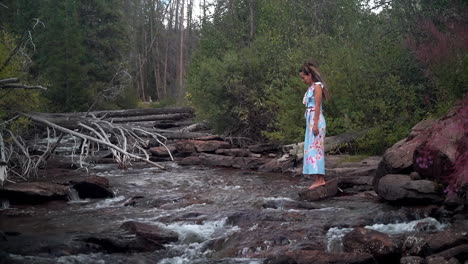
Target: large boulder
(435, 149)
(379, 245)
(398, 159)
(448, 139)
(93, 187)
(401, 188)
(150, 232)
(33, 192)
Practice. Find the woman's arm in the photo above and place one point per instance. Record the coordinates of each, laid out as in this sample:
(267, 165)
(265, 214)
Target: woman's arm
(318, 103)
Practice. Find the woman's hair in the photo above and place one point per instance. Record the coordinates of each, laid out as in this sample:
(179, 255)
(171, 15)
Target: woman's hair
(311, 68)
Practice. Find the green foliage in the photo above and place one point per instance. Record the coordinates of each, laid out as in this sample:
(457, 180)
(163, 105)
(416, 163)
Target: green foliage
(60, 56)
(13, 100)
(377, 83)
(76, 50)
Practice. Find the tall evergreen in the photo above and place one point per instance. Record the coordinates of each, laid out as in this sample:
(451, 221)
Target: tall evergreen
(104, 41)
(61, 55)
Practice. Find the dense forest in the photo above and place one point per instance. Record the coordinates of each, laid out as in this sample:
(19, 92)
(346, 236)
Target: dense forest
(388, 63)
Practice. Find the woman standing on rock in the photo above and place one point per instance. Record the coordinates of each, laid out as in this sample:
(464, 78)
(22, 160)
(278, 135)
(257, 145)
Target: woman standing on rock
(314, 148)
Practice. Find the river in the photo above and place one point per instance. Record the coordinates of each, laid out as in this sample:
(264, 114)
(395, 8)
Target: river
(223, 216)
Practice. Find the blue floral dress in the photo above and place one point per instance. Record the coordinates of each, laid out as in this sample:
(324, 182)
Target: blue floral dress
(314, 148)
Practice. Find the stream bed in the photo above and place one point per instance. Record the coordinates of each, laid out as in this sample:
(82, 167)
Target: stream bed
(223, 216)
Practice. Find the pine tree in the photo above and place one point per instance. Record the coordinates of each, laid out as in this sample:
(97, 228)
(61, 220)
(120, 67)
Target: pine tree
(61, 54)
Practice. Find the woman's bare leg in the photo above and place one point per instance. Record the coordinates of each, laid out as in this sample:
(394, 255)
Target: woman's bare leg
(319, 181)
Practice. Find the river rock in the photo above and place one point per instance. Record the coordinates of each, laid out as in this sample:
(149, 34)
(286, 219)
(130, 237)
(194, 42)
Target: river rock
(121, 243)
(224, 161)
(210, 146)
(321, 192)
(412, 260)
(162, 151)
(151, 232)
(441, 260)
(349, 182)
(459, 252)
(398, 159)
(191, 146)
(93, 187)
(285, 204)
(447, 239)
(319, 257)
(363, 240)
(400, 188)
(435, 158)
(235, 152)
(33, 192)
(185, 147)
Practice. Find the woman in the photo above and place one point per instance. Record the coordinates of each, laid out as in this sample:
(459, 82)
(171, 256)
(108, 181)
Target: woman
(314, 149)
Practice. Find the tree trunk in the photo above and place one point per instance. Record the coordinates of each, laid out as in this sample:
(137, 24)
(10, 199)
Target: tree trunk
(181, 51)
(252, 19)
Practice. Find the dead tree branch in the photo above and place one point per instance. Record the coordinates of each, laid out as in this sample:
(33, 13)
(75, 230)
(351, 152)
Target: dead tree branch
(13, 83)
(98, 140)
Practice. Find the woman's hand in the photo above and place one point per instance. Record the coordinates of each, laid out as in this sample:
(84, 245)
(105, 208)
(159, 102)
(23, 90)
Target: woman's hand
(315, 129)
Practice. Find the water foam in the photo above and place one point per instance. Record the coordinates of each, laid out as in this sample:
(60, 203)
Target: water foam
(192, 239)
(335, 235)
(5, 204)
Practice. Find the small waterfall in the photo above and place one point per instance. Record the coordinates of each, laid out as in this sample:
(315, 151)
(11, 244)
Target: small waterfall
(335, 235)
(5, 204)
(74, 197)
(193, 239)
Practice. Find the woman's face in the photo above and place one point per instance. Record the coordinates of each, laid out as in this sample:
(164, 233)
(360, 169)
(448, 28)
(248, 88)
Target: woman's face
(307, 79)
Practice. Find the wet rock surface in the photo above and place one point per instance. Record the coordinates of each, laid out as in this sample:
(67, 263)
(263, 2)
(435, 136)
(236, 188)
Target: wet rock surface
(377, 244)
(93, 187)
(401, 188)
(33, 192)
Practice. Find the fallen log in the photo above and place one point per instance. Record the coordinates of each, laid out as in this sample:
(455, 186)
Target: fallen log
(119, 113)
(332, 143)
(129, 119)
(170, 134)
(70, 120)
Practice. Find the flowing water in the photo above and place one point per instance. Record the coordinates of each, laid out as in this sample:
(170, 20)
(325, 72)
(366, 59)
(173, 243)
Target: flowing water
(221, 215)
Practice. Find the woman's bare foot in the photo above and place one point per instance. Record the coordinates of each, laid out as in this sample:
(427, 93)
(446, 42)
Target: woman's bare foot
(316, 184)
(319, 181)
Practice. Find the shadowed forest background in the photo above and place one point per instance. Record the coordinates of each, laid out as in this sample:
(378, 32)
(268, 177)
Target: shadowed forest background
(388, 64)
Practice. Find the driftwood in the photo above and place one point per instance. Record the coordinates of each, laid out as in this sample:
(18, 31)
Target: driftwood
(121, 154)
(13, 83)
